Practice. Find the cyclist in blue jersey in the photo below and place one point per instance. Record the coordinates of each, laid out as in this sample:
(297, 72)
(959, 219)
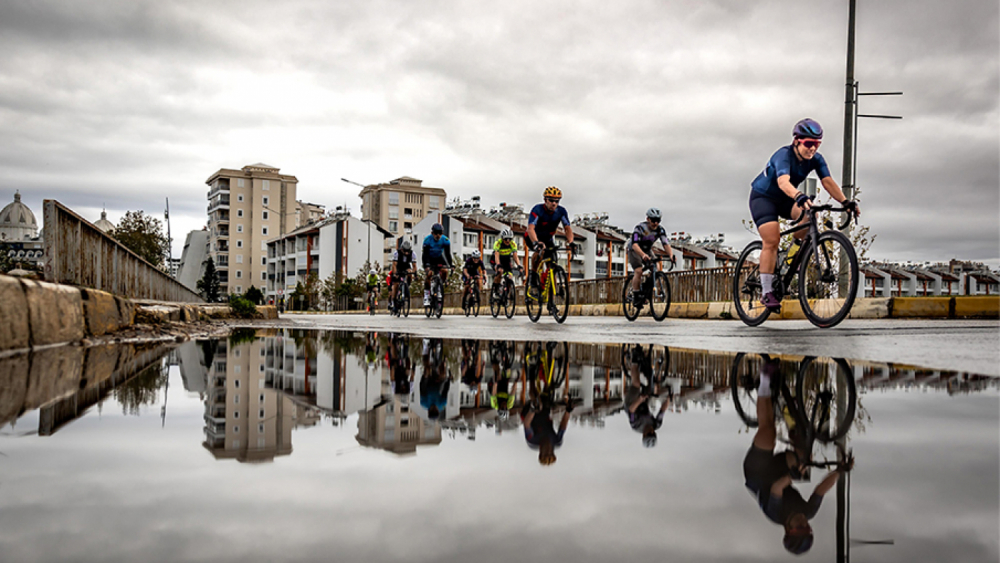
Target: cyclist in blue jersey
(644, 236)
(775, 194)
(436, 257)
(544, 220)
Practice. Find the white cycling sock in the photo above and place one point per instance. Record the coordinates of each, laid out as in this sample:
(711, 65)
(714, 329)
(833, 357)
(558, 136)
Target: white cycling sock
(764, 390)
(767, 283)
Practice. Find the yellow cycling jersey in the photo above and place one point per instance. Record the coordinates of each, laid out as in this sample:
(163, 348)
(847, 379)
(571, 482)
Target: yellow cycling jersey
(504, 248)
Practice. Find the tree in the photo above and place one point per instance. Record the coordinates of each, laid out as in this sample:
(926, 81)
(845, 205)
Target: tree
(208, 285)
(254, 295)
(143, 235)
(328, 292)
(310, 290)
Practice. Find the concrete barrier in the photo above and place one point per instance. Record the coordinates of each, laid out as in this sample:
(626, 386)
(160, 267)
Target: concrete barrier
(980, 306)
(15, 332)
(55, 313)
(921, 307)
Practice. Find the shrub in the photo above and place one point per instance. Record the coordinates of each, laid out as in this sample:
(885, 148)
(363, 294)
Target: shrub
(242, 307)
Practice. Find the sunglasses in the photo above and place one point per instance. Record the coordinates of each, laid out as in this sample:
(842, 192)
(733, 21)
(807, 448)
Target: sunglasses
(552, 199)
(811, 143)
(652, 220)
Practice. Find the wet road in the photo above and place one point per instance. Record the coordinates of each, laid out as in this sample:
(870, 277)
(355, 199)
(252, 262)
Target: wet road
(962, 345)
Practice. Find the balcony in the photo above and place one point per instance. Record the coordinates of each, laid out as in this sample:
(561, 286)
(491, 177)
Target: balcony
(221, 187)
(221, 202)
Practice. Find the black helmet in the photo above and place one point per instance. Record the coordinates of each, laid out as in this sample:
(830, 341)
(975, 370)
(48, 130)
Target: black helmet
(437, 228)
(807, 129)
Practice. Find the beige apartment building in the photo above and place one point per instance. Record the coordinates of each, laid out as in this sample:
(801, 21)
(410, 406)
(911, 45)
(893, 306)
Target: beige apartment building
(400, 204)
(246, 208)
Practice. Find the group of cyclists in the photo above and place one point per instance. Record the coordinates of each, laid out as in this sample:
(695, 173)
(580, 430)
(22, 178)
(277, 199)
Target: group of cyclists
(774, 194)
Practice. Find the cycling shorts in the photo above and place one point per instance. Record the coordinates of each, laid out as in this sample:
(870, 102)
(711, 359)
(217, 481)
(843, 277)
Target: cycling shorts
(764, 209)
(633, 260)
(436, 263)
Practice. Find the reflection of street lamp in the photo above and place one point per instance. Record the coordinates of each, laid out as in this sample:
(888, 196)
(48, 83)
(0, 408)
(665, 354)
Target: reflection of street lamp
(369, 227)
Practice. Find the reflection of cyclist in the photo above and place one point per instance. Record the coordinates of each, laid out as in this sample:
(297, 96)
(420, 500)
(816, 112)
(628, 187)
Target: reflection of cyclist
(544, 220)
(769, 475)
(400, 365)
(504, 256)
(402, 265)
(539, 432)
(502, 387)
(775, 194)
(436, 258)
(472, 363)
(638, 398)
(434, 383)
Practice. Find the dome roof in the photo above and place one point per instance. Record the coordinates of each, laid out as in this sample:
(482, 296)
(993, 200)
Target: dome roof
(17, 222)
(104, 224)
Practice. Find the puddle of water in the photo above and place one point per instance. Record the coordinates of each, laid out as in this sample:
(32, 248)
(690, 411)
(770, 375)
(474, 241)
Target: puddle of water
(295, 445)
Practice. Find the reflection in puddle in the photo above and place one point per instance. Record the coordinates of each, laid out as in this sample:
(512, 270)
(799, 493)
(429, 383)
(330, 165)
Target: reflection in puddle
(669, 445)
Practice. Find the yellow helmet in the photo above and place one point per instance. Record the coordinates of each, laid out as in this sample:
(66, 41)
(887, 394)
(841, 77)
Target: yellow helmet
(552, 191)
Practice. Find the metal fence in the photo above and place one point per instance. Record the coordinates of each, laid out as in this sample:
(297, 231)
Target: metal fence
(79, 253)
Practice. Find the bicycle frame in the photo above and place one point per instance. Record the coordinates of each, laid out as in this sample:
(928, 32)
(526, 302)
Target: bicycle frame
(811, 241)
(544, 270)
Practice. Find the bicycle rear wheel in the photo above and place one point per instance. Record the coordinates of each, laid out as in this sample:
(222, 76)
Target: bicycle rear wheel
(747, 286)
(829, 397)
(405, 305)
(827, 290)
(560, 295)
(628, 307)
(496, 294)
(744, 379)
(509, 296)
(659, 302)
(533, 301)
(475, 304)
(467, 303)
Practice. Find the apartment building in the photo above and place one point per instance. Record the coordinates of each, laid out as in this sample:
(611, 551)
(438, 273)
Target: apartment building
(400, 204)
(246, 208)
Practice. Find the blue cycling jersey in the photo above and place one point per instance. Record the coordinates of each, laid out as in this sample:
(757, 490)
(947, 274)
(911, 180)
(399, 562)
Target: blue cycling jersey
(546, 223)
(782, 162)
(436, 250)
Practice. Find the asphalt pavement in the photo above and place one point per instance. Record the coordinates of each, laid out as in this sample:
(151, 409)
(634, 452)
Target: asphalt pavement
(961, 345)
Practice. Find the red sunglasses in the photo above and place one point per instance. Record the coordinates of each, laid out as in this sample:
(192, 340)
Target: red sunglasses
(811, 143)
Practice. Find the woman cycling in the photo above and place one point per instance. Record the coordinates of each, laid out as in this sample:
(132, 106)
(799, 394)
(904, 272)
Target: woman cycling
(775, 194)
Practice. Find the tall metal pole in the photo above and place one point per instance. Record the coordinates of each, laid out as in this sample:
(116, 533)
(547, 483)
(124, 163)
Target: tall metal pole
(850, 108)
(170, 240)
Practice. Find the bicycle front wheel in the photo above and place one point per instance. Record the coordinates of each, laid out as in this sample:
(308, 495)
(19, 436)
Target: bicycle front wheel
(628, 306)
(747, 287)
(559, 298)
(405, 305)
(475, 304)
(659, 302)
(829, 397)
(533, 301)
(828, 280)
(509, 296)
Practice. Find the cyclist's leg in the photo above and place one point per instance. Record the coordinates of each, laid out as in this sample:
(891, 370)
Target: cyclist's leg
(636, 263)
(766, 429)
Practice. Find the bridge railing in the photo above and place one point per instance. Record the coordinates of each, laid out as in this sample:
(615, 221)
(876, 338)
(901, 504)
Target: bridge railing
(78, 253)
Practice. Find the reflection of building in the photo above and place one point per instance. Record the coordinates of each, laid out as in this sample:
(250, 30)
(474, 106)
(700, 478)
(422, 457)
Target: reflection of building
(391, 426)
(245, 420)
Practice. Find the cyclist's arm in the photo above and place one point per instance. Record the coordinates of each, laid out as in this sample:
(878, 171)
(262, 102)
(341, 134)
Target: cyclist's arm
(827, 483)
(831, 187)
(786, 187)
(569, 233)
(780, 485)
(638, 250)
(530, 234)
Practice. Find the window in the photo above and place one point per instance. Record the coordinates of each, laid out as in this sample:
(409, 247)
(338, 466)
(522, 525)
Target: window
(264, 215)
(266, 184)
(236, 429)
(263, 260)
(263, 276)
(236, 414)
(261, 442)
(239, 197)
(260, 382)
(239, 289)
(239, 228)
(261, 398)
(432, 202)
(239, 182)
(393, 198)
(260, 427)
(393, 226)
(260, 366)
(239, 244)
(239, 212)
(236, 384)
(236, 399)
(261, 415)
(394, 213)
(239, 275)
(236, 444)
(266, 200)
(263, 230)
(237, 369)
(239, 258)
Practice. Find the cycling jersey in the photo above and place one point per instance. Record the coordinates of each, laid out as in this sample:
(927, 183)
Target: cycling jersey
(436, 251)
(403, 260)
(505, 248)
(645, 236)
(783, 162)
(474, 267)
(373, 280)
(546, 223)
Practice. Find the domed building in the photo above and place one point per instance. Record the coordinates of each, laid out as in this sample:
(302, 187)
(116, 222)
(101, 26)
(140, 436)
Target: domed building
(17, 222)
(104, 224)
(19, 236)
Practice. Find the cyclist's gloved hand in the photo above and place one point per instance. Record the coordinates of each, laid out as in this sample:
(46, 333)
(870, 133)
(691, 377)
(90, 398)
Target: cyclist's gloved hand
(801, 200)
(851, 206)
(846, 465)
(646, 259)
(673, 259)
(532, 245)
(572, 247)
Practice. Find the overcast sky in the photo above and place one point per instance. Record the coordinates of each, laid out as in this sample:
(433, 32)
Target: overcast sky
(672, 103)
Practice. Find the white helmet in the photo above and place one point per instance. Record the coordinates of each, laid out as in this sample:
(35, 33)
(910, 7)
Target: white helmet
(372, 271)
(405, 245)
(475, 254)
(507, 234)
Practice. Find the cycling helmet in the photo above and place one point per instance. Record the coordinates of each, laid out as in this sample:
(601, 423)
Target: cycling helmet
(552, 191)
(807, 129)
(372, 271)
(503, 414)
(798, 544)
(649, 441)
(653, 213)
(405, 245)
(437, 228)
(475, 254)
(507, 234)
